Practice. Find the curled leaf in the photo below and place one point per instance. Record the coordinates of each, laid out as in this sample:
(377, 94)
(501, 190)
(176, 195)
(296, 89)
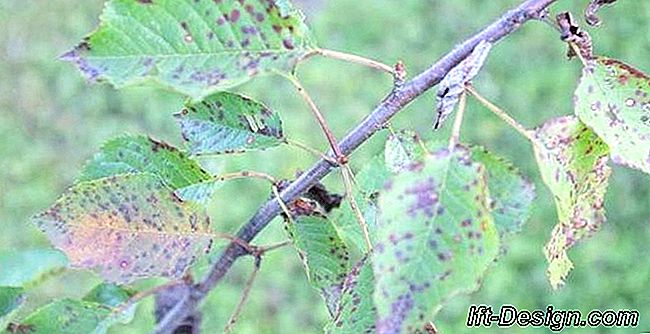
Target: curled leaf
(402, 149)
(127, 227)
(453, 84)
(229, 123)
(193, 47)
(573, 163)
(593, 7)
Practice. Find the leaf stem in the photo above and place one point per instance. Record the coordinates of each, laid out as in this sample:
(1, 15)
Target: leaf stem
(355, 59)
(320, 118)
(501, 114)
(302, 146)
(244, 175)
(458, 121)
(347, 174)
(244, 298)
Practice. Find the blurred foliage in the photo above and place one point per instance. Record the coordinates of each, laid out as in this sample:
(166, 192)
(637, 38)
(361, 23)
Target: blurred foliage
(51, 121)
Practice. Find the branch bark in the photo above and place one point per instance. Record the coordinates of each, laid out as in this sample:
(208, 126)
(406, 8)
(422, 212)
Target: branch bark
(387, 108)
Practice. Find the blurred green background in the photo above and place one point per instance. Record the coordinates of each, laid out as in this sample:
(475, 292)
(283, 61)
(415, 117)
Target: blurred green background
(51, 121)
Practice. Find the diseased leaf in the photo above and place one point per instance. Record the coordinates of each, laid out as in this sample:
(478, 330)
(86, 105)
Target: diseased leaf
(11, 299)
(323, 253)
(453, 84)
(228, 123)
(614, 100)
(356, 312)
(20, 268)
(402, 149)
(573, 163)
(511, 194)
(141, 154)
(435, 238)
(67, 316)
(113, 296)
(127, 227)
(193, 47)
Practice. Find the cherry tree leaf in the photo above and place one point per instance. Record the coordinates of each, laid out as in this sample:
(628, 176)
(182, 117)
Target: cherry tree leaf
(511, 194)
(573, 163)
(402, 149)
(141, 154)
(323, 252)
(356, 312)
(68, 316)
(228, 123)
(127, 227)
(453, 84)
(435, 238)
(193, 47)
(11, 299)
(614, 100)
(23, 268)
(113, 296)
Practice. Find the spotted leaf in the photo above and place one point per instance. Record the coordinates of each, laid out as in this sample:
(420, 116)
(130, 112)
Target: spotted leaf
(67, 316)
(127, 227)
(573, 163)
(24, 268)
(323, 253)
(193, 47)
(136, 154)
(11, 299)
(402, 149)
(116, 297)
(356, 312)
(435, 238)
(228, 123)
(614, 100)
(511, 194)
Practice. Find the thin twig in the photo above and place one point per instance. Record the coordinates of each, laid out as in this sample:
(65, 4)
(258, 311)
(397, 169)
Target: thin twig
(302, 146)
(458, 121)
(144, 294)
(245, 294)
(355, 59)
(347, 181)
(244, 175)
(320, 118)
(501, 114)
(385, 110)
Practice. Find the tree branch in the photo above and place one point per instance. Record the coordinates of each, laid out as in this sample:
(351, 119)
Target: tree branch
(391, 105)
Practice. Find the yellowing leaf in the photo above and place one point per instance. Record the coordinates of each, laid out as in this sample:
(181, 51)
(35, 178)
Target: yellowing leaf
(127, 227)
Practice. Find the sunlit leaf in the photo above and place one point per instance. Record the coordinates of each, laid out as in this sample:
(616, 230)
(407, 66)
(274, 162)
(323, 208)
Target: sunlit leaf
(323, 253)
(227, 123)
(67, 316)
(573, 163)
(511, 194)
(614, 100)
(435, 238)
(11, 299)
(19, 268)
(127, 227)
(137, 154)
(356, 312)
(194, 47)
(402, 149)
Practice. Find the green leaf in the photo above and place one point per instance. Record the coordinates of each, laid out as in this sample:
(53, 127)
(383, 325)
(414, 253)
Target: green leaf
(193, 47)
(139, 154)
(20, 268)
(511, 194)
(68, 316)
(356, 311)
(228, 123)
(402, 149)
(127, 227)
(323, 253)
(614, 100)
(113, 296)
(573, 163)
(11, 299)
(369, 180)
(435, 238)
